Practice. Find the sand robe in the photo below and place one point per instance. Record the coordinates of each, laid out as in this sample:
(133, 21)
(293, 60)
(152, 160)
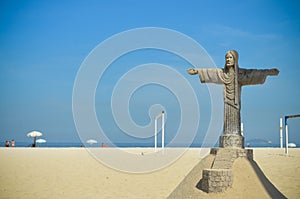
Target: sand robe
(232, 91)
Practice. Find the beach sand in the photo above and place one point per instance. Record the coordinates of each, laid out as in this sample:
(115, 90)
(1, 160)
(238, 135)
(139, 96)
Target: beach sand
(75, 173)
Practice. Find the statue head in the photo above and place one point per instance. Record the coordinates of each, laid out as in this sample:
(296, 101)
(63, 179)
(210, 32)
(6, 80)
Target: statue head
(231, 59)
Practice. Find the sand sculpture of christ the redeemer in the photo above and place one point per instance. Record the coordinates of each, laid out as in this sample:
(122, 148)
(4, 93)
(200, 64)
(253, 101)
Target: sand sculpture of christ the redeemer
(233, 78)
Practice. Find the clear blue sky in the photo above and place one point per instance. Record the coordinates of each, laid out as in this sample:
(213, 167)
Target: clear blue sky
(43, 43)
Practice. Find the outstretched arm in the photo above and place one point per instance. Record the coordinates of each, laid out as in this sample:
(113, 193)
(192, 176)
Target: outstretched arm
(207, 75)
(254, 76)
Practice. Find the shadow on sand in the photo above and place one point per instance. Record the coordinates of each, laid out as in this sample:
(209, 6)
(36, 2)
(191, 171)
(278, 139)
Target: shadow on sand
(270, 188)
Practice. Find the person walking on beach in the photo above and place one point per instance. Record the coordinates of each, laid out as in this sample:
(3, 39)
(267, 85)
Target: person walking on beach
(7, 143)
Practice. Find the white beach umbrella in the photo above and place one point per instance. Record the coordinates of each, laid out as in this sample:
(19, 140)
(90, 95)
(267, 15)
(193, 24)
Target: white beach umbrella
(292, 145)
(34, 134)
(41, 141)
(91, 141)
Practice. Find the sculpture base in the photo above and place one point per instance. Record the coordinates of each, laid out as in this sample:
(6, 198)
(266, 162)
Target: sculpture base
(219, 177)
(216, 180)
(232, 141)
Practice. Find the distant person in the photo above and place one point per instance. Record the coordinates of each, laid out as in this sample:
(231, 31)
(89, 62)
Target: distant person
(13, 143)
(104, 146)
(7, 143)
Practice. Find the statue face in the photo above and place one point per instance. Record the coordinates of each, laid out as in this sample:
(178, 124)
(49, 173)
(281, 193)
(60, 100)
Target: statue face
(229, 60)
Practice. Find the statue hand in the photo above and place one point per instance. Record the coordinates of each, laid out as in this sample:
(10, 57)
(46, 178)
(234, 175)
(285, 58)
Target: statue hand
(273, 72)
(192, 71)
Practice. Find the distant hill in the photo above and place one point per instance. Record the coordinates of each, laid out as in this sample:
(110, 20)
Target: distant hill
(259, 143)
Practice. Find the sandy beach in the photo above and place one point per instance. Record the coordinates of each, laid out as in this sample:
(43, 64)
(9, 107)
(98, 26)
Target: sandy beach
(75, 173)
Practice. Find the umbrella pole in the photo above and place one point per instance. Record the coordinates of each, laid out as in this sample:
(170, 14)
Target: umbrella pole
(34, 141)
